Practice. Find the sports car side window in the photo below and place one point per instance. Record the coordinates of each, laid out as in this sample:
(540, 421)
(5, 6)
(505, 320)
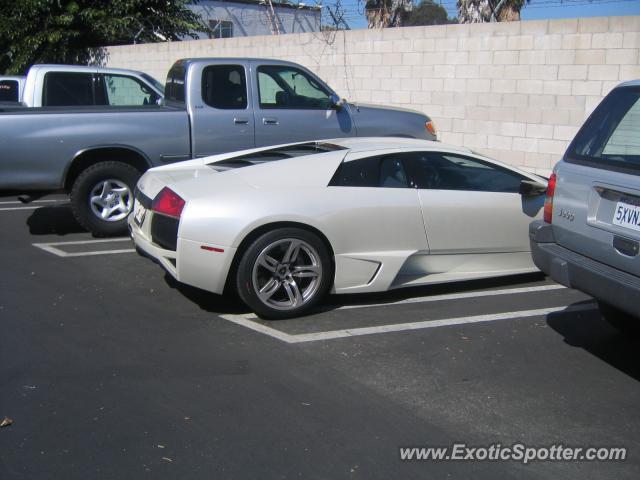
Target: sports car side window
(445, 171)
(381, 171)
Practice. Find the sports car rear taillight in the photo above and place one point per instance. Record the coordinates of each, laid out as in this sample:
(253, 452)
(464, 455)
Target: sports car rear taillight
(548, 201)
(168, 203)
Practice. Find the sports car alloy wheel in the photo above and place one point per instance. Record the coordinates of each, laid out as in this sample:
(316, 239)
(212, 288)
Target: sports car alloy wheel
(111, 200)
(287, 274)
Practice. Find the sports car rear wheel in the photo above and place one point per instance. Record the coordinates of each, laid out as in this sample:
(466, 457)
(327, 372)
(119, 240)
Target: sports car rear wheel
(284, 273)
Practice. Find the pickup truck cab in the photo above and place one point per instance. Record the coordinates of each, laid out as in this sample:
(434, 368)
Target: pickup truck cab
(11, 88)
(590, 236)
(212, 106)
(77, 85)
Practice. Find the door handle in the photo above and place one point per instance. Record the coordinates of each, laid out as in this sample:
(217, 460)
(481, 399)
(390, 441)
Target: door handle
(241, 121)
(270, 121)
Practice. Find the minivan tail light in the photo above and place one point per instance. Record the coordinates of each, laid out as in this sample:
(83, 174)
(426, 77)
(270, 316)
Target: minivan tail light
(168, 203)
(548, 201)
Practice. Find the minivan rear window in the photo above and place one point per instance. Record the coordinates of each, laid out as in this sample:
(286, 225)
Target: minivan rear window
(610, 138)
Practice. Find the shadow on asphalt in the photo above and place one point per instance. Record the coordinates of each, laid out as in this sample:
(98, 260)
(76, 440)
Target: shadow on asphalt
(588, 330)
(208, 301)
(225, 304)
(56, 220)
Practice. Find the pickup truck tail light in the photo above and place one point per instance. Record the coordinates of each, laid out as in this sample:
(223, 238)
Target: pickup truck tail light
(548, 201)
(168, 203)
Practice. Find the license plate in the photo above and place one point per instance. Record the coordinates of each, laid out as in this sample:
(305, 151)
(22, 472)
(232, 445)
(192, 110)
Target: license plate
(627, 214)
(139, 214)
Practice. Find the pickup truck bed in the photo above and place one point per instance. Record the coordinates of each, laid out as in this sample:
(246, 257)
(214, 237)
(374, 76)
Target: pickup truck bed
(159, 134)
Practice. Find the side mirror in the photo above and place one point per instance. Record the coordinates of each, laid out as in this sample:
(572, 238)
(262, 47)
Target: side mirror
(336, 102)
(531, 188)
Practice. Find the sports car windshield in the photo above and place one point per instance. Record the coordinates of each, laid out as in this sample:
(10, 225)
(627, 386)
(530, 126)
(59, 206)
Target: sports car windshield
(610, 139)
(275, 154)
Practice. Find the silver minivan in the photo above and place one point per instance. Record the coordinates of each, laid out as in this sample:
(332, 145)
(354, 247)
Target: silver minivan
(590, 236)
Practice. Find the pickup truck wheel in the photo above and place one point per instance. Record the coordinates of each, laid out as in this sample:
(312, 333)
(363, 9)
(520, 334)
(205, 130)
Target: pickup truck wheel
(102, 197)
(284, 273)
(619, 319)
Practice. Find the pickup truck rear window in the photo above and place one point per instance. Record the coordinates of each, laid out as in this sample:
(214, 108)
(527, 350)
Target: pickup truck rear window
(9, 91)
(610, 138)
(65, 89)
(224, 87)
(175, 86)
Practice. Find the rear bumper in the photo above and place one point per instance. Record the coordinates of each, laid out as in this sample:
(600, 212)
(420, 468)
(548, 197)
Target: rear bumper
(574, 270)
(201, 265)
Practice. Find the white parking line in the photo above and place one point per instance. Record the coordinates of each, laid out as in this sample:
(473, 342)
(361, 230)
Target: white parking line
(31, 207)
(27, 206)
(52, 247)
(398, 327)
(13, 202)
(449, 296)
(458, 296)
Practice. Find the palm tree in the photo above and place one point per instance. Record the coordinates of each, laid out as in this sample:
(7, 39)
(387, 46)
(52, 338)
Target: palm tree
(387, 13)
(479, 11)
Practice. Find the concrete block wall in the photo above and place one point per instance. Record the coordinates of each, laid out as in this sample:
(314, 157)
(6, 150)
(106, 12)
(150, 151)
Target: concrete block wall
(515, 91)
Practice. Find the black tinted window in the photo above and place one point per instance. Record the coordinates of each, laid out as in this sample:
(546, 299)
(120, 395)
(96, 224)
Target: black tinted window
(444, 171)
(174, 88)
(610, 138)
(9, 91)
(224, 86)
(67, 89)
(382, 171)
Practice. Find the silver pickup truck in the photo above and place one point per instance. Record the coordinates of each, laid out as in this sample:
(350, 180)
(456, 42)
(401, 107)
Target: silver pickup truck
(211, 106)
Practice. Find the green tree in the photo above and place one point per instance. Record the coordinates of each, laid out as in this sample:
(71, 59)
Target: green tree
(428, 13)
(75, 31)
(479, 11)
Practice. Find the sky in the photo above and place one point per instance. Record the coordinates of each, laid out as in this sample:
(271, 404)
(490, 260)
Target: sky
(534, 10)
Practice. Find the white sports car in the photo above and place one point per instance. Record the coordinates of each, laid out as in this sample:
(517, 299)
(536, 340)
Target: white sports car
(284, 225)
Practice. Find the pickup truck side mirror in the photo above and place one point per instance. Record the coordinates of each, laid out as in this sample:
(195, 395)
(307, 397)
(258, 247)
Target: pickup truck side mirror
(531, 188)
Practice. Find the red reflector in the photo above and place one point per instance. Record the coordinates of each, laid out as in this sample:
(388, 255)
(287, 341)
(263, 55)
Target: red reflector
(211, 249)
(548, 201)
(168, 203)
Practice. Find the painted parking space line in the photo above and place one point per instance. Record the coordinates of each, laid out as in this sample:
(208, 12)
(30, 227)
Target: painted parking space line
(30, 207)
(242, 320)
(449, 296)
(8, 206)
(52, 247)
(20, 202)
(458, 296)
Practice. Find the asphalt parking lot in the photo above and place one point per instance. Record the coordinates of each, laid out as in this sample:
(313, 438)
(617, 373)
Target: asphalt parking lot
(109, 369)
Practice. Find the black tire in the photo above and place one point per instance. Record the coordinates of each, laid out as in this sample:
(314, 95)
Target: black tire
(312, 249)
(81, 195)
(624, 322)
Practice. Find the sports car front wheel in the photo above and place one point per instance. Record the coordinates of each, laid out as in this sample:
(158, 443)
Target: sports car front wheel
(284, 273)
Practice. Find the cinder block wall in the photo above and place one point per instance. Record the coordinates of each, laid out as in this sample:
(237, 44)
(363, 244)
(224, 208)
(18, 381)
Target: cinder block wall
(515, 91)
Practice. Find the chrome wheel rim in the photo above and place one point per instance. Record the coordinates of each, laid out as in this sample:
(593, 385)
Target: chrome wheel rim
(287, 274)
(111, 200)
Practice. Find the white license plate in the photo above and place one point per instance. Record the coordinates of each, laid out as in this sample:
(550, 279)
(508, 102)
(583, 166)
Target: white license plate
(627, 215)
(139, 214)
